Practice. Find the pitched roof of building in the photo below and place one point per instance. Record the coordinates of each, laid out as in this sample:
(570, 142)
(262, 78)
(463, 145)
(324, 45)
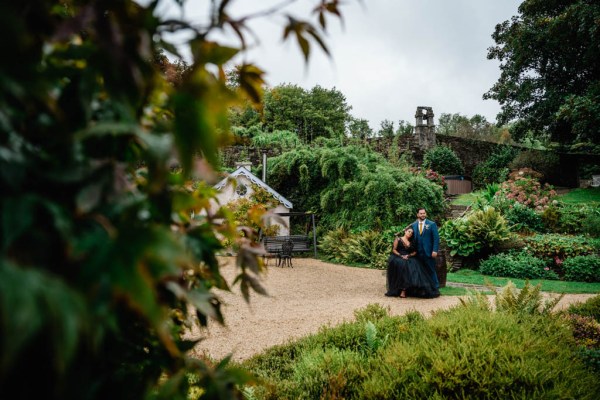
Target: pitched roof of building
(242, 171)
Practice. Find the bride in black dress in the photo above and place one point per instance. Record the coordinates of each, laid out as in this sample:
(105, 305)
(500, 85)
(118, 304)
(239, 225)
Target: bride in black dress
(406, 275)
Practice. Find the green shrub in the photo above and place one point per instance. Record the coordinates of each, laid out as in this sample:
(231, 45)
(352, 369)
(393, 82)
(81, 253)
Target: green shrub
(443, 160)
(561, 246)
(476, 233)
(366, 247)
(372, 312)
(589, 308)
(326, 373)
(591, 224)
(282, 140)
(517, 265)
(519, 351)
(582, 268)
(495, 168)
(332, 243)
(571, 218)
(526, 301)
(455, 232)
(545, 162)
(523, 303)
(352, 187)
(590, 358)
(589, 170)
(523, 219)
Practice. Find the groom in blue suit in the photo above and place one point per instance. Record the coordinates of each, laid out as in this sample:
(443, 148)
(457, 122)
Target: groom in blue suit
(427, 240)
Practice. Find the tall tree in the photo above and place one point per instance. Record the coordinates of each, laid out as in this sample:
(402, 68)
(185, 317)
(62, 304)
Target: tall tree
(284, 109)
(550, 69)
(476, 127)
(404, 128)
(386, 129)
(359, 128)
(311, 114)
(101, 261)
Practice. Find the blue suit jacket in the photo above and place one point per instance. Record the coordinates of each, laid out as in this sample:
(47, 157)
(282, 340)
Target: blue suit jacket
(429, 239)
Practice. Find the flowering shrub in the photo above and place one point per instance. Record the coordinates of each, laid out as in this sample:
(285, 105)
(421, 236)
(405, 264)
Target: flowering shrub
(523, 186)
(430, 175)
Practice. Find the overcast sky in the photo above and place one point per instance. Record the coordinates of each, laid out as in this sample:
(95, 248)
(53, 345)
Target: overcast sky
(391, 55)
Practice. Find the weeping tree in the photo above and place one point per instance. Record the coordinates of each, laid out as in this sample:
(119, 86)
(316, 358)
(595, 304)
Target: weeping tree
(352, 186)
(102, 267)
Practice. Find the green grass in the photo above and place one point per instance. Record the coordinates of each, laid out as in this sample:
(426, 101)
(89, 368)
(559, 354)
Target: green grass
(578, 196)
(465, 199)
(575, 196)
(458, 291)
(475, 278)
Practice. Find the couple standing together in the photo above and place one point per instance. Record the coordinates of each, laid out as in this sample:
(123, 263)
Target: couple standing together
(411, 266)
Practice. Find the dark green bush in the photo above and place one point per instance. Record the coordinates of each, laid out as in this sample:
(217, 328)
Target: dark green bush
(561, 246)
(495, 168)
(544, 162)
(591, 224)
(590, 358)
(523, 219)
(520, 265)
(443, 160)
(582, 268)
(572, 219)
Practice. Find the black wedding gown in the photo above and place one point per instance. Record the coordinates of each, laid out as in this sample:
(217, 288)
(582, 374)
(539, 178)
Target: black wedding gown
(409, 275)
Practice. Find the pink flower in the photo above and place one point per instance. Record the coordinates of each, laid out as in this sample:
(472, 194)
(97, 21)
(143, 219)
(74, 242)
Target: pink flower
(558, 260)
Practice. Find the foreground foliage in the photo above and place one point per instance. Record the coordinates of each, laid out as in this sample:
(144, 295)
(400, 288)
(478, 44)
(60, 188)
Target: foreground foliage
(102, 268)
(522, 351)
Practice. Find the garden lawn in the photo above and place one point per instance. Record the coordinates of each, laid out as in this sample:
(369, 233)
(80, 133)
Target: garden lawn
(578, 196)
(476, 278)
(466, 199)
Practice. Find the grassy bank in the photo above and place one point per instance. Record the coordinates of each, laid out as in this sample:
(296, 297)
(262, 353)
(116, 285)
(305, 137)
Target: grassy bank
(473, 277)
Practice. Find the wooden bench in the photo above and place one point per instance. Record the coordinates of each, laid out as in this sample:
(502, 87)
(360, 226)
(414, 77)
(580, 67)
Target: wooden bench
(283, 247)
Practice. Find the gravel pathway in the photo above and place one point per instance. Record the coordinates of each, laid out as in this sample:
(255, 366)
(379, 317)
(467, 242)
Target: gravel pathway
(301, 299)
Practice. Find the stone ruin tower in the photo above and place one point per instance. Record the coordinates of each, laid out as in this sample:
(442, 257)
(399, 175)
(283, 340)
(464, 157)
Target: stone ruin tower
(424, 128)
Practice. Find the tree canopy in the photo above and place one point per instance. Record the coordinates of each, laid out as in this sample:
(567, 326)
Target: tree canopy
(314, 113)
(102, 266)
(550, 69)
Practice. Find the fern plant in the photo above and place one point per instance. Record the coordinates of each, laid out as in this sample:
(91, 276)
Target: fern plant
(527, 301)
(488, 227)
(524, 302)
(333, 243)
(374, 342)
